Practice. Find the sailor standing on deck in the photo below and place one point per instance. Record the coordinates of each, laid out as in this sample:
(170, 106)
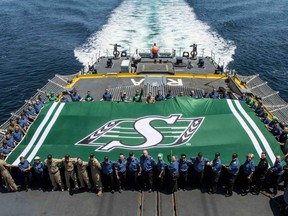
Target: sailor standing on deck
(154, 51)
(276, 172)
(146, 173)
(54, 172)
(95, 167)
(248, 170)
(38, 168)
(183, 171)
(69, 171)
(161, 171)
(133, 166)
(107, 171)
(199, 163)
(260, 173)
(9, 182)
(173, 168)
(233, 170)
(24, 167)
(120, 170)
(216, 166)
(83, 174)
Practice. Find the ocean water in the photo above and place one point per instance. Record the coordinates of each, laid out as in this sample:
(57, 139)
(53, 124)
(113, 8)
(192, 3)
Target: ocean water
(40, 38)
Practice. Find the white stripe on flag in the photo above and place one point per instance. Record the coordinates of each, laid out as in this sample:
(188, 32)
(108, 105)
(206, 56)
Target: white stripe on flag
(46, 132)
(245, 127)
(36, 134)
(258, 132)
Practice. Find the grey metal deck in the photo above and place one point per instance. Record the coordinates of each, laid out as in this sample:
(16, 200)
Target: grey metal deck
(187, 203)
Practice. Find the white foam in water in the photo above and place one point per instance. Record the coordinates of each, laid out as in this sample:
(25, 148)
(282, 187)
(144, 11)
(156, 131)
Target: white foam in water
(169, 23)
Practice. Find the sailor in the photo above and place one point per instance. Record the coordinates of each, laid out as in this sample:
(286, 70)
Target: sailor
(183, 171)
(169, 95)
(216, 166)
(146, 173)
(95, 167)
(107, 96)
(243, 97)
(107, 171)
(138, 97)
(233, 170)
(248, 170)
(193, 94)
(159, 96)
(75, 97)
(4, 149)
(133, 166)
(9, 141)
(124, 97)
(54, 172)
(199, 163)
(38, 173)
(31, 112)
(154, 51)
(23, 122)
(52, 97)
(17, 134)
(64, 99)
(150, 98)
(214, 94)
(120, 170)
(9, 182)
(24, 167)
(260, 172)
(276, 172)
(161, 171)
(173, 168)
(41, 100)
(68, 164)
(89, 97)
(225, 95)
(38, 106)
(83, 174)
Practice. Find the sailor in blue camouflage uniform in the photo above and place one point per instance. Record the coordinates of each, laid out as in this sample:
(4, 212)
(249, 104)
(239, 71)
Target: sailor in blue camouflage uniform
(233, 170)
(146, 172)
(199, 163)
(133, 166)
(107, 171)
(38, 174)
(248, 170)
(160, 171)
(183, 171)
(173, 168)
(276, 172)
(216, 167)
(24, 167)
(120, 170)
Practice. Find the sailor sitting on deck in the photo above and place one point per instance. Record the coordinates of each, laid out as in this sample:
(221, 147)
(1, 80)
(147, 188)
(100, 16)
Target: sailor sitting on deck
(10, 142)
(17, 134)
(31, 112)
(38, 106)
(169, 95)
(274, 127)
(124, 97)
(89, 97)
(243, 97)
(159, 96)
(107, 96)
(214, 94)
(150, 98)
(75, 97)
(52, 97)
(4, 149)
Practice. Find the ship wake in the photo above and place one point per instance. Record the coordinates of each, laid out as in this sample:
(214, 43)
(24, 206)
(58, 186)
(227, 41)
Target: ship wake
(169, 23)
